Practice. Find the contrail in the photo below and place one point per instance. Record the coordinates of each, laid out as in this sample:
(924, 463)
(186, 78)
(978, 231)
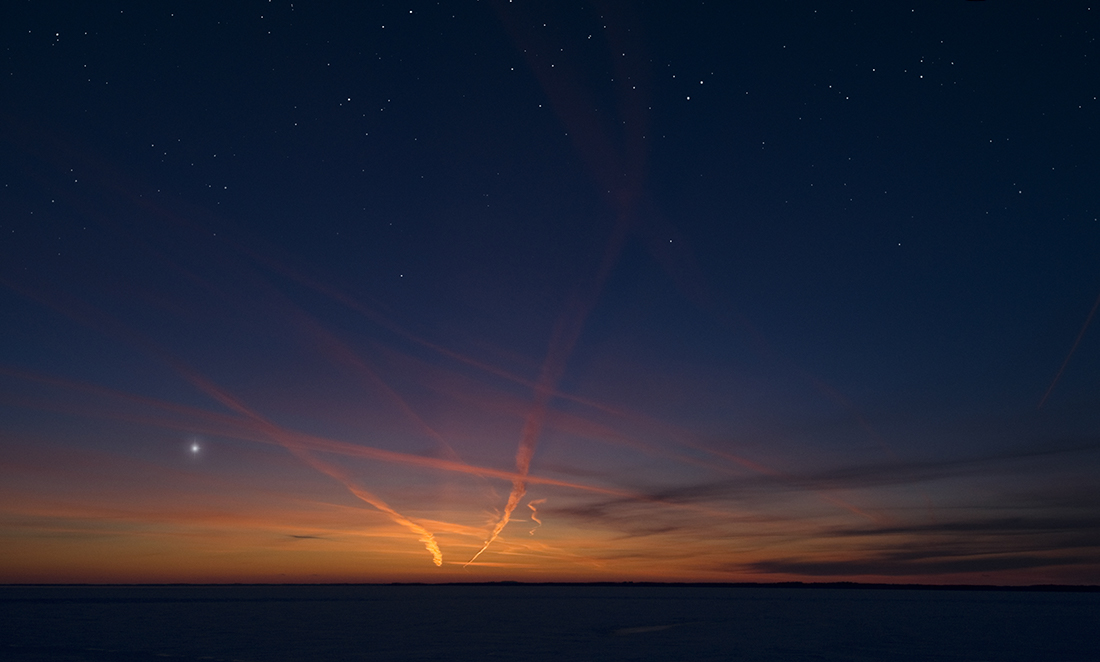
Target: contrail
(557, 418)
(339, 353)
(1071, 351)
(288, 440)
(425, 536)
(535, 514)
(94, 318)
(334, 348)
(619, 173)
(291, 439)
(278, 434)
(594, 430)
(565, 336)
(223, 425)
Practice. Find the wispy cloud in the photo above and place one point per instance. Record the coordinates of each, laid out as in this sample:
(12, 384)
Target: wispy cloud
(895, 567)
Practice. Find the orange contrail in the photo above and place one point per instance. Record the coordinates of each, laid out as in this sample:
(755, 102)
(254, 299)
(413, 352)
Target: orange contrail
(1071, 351)
(96, 319)
(619, 173)
(278, 434)
(535, 514)
(565, 336)
(426, 536)
(409, 459)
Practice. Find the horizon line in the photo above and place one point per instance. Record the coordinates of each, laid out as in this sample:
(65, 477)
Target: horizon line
(1086, 588)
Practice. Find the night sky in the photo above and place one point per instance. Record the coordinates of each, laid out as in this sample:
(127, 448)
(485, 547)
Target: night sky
(466, 291)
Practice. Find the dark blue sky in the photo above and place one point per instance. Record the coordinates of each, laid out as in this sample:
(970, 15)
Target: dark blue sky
(772, 291)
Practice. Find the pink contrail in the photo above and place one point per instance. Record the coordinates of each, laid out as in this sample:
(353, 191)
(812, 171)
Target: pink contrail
(1071, 351)
(590, 429)
(279, 435)
(223, 425)
(618, 172)
(339, 353)
(87, 315)
(564, 339)
(248, 429)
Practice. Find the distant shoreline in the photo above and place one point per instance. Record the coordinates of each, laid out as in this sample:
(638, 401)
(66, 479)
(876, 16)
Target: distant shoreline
(1087, 588)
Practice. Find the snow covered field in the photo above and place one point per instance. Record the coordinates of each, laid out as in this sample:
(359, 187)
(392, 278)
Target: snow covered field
(454, 623)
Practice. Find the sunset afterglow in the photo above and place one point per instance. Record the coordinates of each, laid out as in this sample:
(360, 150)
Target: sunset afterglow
(511, 292)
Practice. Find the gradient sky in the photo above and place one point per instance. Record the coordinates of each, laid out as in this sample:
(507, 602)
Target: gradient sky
(471, 291)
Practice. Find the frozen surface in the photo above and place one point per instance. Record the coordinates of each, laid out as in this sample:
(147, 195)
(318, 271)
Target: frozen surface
(454, 623)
